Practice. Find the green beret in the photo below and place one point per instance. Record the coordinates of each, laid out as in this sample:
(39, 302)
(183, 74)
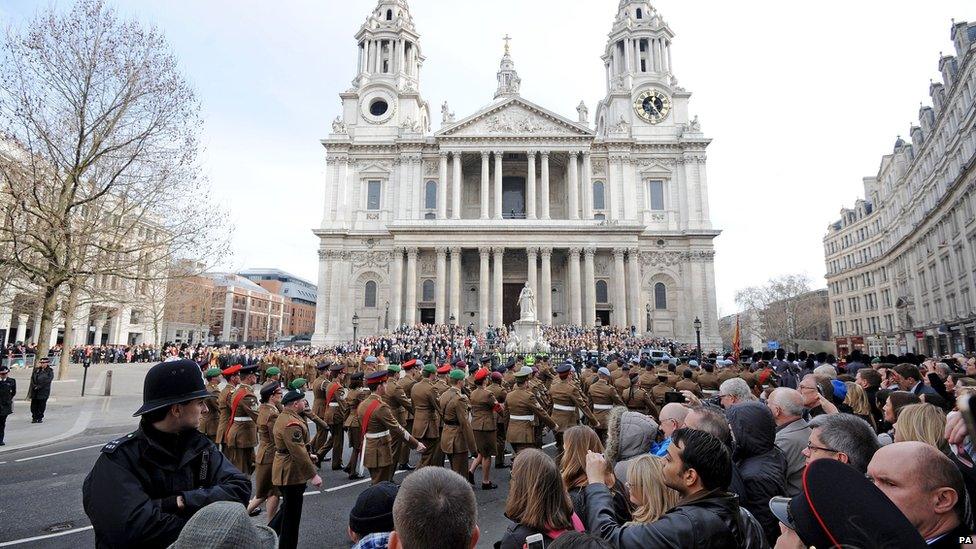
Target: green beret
(456, 375)
(395, 368)
(212, 372)
(529, 360)
(273, 371)
(297, 383)
(429, 368)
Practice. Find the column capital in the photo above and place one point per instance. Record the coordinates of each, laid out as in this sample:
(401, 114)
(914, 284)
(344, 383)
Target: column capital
(531, 153)
(485, 155)
(634, 253)
(589, 252)
(544, 154)
(619, 252)
(574, 154)
(412, 250)
(586, 154)
(575, 252)
(498, 250)
(532, 250)
(545, 251)
(456, 155)
(443, 154)
(398, 250)
(455, 251)
(498, 154)
(484, 250)
(441, 250)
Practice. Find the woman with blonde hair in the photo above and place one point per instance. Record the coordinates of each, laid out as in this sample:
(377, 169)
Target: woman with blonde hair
(857, 399)
(648, 494)
(537, 502)
(577, 441)
(922, 423)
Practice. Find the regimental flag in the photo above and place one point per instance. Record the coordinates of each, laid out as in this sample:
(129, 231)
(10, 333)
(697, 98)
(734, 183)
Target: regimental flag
(736, 341)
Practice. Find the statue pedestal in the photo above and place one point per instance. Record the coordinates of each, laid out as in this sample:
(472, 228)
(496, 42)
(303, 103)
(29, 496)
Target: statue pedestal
(530, 338)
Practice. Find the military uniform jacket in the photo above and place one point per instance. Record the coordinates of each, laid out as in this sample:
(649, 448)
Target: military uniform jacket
(602, 398)
(457, 437)
(647, 380)
(567, 402)
(242, 429)
(657, 393)
(353, 398)
(8, 390)
(319, 387)
(130, 493)
(500, 393)
(587, 377)
(292, 462)
(223, 405)
(689, 385)
(397, 400)
(267, 415)
(211, 420)
(406, 383)
(377, 451)
(708, 380)
(483, 405)
(335, 408)
(638, 400)
(524, 413)
(622, 385)
(426, 420)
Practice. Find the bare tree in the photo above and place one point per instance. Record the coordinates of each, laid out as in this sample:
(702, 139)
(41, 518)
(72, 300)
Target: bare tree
(779, 309)
(102, 186)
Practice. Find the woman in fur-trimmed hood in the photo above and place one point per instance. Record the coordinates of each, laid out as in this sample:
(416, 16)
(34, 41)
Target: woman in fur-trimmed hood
(629, 435)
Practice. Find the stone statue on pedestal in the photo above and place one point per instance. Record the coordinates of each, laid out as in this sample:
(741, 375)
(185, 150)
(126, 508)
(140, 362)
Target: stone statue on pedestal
(526, 301)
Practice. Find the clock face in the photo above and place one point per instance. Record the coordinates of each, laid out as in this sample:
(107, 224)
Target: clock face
(653, 106)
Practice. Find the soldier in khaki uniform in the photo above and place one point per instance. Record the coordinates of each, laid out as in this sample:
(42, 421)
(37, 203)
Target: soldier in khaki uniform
(354, 397)
(232, 375)
(637, 399)
(603, 397)
(524, 410)
(318, 387)
(622, 382)
(567, 403)
(501, 418)
(426, 416)
(588, 376)
(484, 408)
(396, 398)
(379, 427)
(210, 420)
(457, 438)
(707, 379)
(334, 413)
(242, 431)
(264, 489)
(406, 384)
(293, 466)
(662, 387)
(688, 384)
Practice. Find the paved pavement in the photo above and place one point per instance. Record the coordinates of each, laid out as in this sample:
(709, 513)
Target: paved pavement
(41, 485)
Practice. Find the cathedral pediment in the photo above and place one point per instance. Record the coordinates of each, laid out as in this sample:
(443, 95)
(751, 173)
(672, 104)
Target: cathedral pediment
(517, 117)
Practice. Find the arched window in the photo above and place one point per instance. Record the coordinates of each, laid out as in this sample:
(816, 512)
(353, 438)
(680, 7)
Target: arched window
(430, 195)
(660, 296)
(369, 298)
(389, 15)
(430, 215)
(602, 296)
(639, 13)
(428, 291)
(599, 203)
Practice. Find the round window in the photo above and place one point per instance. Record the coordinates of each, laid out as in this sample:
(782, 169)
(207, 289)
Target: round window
(378, 107)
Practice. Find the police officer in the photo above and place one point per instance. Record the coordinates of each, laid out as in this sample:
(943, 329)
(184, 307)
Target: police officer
(293, 466)
(40, 389)
(8, 390)
(145, 485)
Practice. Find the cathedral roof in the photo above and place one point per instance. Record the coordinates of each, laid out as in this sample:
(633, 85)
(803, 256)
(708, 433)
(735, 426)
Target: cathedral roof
(514, 115)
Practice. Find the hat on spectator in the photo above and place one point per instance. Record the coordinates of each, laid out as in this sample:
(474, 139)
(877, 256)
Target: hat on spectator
(169, 383)
(297, 383)
(429, 368)
(833, 493)
(377, 377)
(292, 396)
(603, 371)
(457, 375)
(840, 389)
(273, 371)
(444, 369)
(373, 511)
(525, 371)
(224, 524)
(231, 370)
(209, 374)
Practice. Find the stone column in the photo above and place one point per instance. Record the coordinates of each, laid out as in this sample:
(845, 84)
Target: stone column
(36, 329)
(440, 295)
(530, 186)
(544, 189)
(442, 187)
(485, 212)
(22, 327)
(627, 55)
(545, 286)
(456, 283)
(573, 185)
(498, 184)
(483, 285)
(532, 272)
(498, 254)
(589, 288)
(410, 314)
(456, 187)
(619, 290)
(637, 56)
(396, 288)
(575, 314)
(633, 290)
(587, 187)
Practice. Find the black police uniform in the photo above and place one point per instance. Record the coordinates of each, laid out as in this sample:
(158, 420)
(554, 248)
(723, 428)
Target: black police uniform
(8, 390)
(40, 391)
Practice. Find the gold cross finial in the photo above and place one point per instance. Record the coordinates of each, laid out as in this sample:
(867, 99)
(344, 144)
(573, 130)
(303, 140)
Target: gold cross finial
(506, 38)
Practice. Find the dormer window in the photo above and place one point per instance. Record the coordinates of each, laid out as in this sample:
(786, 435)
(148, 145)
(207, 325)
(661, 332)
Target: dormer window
(389, 15)
(640, 14)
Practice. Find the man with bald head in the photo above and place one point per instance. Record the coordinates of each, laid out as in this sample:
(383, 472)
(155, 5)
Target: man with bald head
(926, 487)
(792, 434)
(672, 418)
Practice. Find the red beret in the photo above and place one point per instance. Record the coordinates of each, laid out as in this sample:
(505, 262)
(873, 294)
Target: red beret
(461, 365)
(444, 369)
(231, 370)
(497, 376)
(482, 373)
(409, 364)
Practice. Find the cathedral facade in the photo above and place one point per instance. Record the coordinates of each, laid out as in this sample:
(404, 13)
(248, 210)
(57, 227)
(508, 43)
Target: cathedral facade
(606, 219)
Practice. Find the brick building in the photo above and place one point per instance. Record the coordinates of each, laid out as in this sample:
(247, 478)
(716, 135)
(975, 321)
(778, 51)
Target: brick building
(299, 295)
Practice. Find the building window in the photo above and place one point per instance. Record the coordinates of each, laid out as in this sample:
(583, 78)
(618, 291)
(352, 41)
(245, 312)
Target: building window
(373, 195)
(640, 14)
(428, 291)
(430, 215)
(135, 317)
(389, 15)
(657, 195)
(370, 294)
(602, 295)
(599, 202)
(660, 296)
(430, 195)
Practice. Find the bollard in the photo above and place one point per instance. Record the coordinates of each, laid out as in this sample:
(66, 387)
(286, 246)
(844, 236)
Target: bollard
(108, 383)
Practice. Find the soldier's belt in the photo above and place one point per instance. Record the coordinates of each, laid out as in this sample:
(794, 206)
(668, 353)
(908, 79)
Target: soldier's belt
(522, 418)
(378, 435)
(602, 406)
(564, 408)
(243, 419)
(333, 404)
(452, 423)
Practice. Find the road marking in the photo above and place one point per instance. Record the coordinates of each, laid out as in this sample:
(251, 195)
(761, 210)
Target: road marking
(47, 536)
(58, 453)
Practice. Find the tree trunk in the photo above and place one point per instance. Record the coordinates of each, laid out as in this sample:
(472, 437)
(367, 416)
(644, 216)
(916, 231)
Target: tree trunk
(48, 306)
(69, 321)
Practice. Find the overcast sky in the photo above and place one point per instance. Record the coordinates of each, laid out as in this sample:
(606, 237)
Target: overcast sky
(800, 98)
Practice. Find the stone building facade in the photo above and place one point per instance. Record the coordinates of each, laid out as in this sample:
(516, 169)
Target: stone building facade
(299, 294)
(609, 220)
(901, 264)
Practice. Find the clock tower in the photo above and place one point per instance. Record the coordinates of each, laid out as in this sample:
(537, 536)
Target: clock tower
(643, 97)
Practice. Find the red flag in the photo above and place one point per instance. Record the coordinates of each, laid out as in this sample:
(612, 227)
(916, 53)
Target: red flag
(736, 341)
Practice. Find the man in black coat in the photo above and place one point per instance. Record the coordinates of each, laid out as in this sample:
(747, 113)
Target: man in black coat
(40, 389)
(8, 390)
(146, 485)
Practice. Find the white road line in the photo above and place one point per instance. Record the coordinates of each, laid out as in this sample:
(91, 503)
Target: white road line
(47, 536)
(58, 453)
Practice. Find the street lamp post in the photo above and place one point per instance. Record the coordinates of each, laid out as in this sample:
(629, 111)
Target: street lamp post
(355, 326)
(386, 317)
(647, 307)
(452, 320)
(599, 338)
(698, 325)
